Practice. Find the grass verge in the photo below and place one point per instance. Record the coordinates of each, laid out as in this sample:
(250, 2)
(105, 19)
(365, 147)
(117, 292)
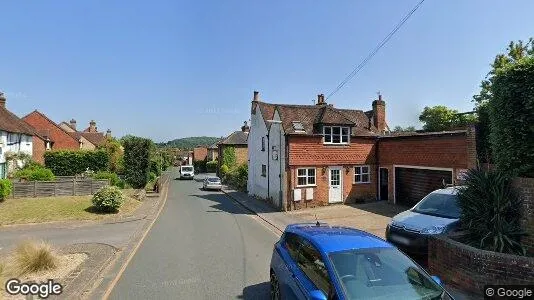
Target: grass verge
(38, 210)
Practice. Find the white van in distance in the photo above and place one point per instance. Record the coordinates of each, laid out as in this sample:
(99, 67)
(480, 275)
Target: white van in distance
(187, 172)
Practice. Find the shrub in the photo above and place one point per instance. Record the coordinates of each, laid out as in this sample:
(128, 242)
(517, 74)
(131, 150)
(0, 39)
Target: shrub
(511, 114)
(152, 177)
(108, 199)
(35, 172)
(211, 166)
(5, 188)
(155, 167)
(200, 166)
(237, 177)
(31, 257)
(136, 161)
(229, 158)
(491, 212)
(72, 162)
(224, 170)
(112, 177)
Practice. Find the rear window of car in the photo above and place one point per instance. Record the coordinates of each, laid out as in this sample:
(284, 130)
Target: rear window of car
(214, 180)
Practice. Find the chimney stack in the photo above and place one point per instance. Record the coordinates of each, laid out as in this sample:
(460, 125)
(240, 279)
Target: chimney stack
(73, 124)
(2, 100)
(320, 99)
(379, 114)
(92, 126)
(245, 127)
(108, 134)
(256, 96)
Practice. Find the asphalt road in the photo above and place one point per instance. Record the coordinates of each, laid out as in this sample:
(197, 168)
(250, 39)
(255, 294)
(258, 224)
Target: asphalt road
(202, 246)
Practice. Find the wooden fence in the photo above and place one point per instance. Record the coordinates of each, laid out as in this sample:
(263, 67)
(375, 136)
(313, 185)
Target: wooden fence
(62, 187)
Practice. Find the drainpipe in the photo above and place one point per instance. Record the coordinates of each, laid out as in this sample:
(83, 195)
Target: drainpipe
(280, 161)
(268, 168)
(377, 163)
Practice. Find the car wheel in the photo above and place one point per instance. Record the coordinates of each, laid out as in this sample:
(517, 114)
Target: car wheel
(275, 288)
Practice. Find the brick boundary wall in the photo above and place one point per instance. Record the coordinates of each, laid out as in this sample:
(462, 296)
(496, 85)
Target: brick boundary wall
(469, 269)
(525, 189)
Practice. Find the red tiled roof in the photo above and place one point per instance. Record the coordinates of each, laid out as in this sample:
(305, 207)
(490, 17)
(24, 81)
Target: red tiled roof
(11, 123)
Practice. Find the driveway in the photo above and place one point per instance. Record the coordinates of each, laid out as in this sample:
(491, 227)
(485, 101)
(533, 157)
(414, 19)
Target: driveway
(370, 217)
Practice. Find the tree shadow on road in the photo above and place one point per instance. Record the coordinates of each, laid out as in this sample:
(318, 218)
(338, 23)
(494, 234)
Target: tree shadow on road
(256, 292)
(223, 203)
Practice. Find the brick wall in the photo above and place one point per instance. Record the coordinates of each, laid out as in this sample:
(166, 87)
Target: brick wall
(446, 151)
(469, 269)
(352, 192)
(241, 154)
(45, 127)
(307, 150)
(38, 149)
(525, 189)
(200, 153)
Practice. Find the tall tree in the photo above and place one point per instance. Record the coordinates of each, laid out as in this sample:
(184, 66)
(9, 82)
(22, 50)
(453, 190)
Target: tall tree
(440, 118)
(405, 129)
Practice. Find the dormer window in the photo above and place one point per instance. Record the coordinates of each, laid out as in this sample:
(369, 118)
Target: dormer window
(336, 134)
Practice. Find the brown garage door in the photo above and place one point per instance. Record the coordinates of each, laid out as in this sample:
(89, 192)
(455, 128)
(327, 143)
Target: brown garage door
(411, 184)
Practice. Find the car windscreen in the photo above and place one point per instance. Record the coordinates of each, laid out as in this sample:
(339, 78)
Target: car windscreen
(187, 169)
(382, 273)
(441, 205)
(215, 180)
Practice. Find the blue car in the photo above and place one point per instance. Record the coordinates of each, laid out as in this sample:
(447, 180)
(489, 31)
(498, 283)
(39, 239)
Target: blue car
(318, 261)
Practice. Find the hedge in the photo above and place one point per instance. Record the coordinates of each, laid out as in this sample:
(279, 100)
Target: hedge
(211, 166)
(512, 117)
(136, 161)
(200, 166)
(35, 174)
(112, 177)
(237, 177)
(72, 162)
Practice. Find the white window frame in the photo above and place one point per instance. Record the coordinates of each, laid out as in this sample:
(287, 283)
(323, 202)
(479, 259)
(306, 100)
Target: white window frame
(361, 174)
(341, 135)
(307, 176)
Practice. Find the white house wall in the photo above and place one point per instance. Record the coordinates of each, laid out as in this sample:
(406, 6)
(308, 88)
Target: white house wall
(257, 184)
(24, 146)
(276, 162)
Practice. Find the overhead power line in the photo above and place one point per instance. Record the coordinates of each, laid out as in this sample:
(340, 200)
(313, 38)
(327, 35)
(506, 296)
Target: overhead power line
(375, 50)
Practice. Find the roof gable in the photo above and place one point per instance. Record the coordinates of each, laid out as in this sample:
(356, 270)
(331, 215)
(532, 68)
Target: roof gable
(11, 123)
(236, 138)
(329, 115)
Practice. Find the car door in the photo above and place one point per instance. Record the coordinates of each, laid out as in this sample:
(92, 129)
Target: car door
(313, 267)
(287, 268)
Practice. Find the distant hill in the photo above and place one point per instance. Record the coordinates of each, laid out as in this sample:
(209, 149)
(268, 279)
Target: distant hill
(190, 142)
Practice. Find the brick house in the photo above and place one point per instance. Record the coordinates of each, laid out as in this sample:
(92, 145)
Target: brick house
(238, 141)
(314, 155)
(56, 136)
(90, 137)
(16, 136)
(200, 153)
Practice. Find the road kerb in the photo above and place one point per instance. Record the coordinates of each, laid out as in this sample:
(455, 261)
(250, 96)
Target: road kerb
(254, 212)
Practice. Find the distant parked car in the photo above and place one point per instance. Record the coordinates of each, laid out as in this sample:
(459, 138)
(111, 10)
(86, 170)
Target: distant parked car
(212, 183)
(318, 261)
(187, 172)
(438, 212)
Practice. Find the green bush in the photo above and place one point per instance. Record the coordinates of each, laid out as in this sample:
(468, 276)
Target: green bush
(229, 157)
(224, 170)
(511, 114)
(491, 212)
(35, 172)
(112, 177)
(5, 188)
(211, 166)
(152, 176)
(237, 177)
(108, 199)
(200, 166)
(136, 161)
(72, 162)
(155, 167)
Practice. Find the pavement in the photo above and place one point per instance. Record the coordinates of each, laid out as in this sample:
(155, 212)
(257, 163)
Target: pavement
(203, 245)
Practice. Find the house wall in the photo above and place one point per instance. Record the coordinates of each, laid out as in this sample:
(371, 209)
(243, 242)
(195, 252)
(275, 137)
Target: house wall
(200, 153)
(276, 163)
(86, 144)
(257, 184)
(24, 144)
(61, 139)
(213, 154)
(38, 150)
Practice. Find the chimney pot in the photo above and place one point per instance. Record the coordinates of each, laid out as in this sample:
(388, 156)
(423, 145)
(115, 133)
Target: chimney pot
(256, 96)
(2, 100)
(245, 127)
(320, 99)
(73, 124)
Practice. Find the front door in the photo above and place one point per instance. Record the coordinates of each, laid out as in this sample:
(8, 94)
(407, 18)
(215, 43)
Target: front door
(336, 182)
(384, 183)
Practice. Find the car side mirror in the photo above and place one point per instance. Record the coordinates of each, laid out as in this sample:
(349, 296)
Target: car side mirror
(317, 295)
(436, 279)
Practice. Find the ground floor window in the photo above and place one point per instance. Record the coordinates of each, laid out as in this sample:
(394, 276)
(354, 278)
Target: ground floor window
(305, 176)
(2, 170)
(362, 174)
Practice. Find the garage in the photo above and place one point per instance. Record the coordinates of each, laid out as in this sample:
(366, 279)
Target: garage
(413, 183)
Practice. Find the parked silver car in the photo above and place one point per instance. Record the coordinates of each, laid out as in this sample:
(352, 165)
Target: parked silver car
(436, 213)
(212, 183)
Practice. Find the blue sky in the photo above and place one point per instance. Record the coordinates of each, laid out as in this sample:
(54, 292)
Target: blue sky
(169, 69)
